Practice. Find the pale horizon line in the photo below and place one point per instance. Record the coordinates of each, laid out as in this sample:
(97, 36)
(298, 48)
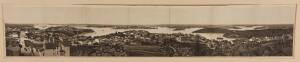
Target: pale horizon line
(144, 24)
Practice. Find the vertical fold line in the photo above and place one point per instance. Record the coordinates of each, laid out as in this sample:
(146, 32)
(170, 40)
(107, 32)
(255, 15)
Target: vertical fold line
(170, 19)
(169, 15)
(128, 15)
(43, 13)
(2, 13)
(85, 14)
(212, 16)
(294, 30)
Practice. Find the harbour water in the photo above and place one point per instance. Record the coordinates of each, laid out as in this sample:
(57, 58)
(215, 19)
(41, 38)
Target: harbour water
(166, 30)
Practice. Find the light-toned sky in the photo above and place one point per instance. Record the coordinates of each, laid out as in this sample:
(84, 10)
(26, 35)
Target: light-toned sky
(88, 14)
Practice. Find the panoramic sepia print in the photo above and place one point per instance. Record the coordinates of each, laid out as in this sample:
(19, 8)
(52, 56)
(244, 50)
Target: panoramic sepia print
(143, 31)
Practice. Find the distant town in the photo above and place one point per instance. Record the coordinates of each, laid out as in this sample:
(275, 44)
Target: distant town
(164, 40)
